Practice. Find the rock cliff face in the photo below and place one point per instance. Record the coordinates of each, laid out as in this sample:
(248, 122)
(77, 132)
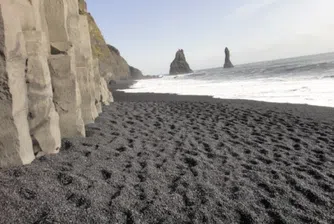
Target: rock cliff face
(135, 73)
(120, 67)
(53, 79)
(228, 63)
(100, 49)
(179, 64)
(111, 64)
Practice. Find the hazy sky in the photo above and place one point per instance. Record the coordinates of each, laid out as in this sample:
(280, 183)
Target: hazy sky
(149, 32)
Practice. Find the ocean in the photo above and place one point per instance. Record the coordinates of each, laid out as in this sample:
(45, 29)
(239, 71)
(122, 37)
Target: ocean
(301, 80)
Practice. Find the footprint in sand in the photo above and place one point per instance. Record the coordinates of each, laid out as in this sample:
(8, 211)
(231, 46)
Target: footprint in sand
(64, 179)
(27, 194)
(106, 175)
(78, 200)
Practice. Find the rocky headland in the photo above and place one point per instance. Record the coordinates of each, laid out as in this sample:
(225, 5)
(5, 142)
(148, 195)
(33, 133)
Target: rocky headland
(135, 73)
(179, 64)
(120, 67)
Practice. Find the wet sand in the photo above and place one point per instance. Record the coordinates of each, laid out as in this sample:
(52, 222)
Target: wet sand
(160, 158)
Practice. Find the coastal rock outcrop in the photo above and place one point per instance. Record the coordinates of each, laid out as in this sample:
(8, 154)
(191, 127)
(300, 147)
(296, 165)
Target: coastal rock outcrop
(228, 63)
(179, 64)
(52, 81)
(110, 62)
(135, 73)
(121, 68)
(15, 141)
(99, 46)
(111, 65)
(119, 64)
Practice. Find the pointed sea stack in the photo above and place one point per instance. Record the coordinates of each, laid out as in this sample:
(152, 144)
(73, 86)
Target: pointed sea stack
(179, 65)
(228, 63)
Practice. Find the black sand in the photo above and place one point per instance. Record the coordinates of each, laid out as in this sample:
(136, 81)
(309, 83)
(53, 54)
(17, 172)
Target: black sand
(183, 159)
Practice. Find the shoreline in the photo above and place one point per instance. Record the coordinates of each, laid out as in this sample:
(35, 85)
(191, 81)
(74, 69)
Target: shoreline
(161, 158)
(303, 110)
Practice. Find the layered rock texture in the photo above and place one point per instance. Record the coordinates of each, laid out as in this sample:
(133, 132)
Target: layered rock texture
(179, 64)
(52, 78)
(228, 63)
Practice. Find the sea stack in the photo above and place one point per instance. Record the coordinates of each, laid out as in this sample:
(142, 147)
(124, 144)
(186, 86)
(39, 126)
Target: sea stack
(228, 63)
(179, 64)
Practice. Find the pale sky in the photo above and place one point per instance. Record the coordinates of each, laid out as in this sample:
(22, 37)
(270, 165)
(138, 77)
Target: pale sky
(149, 32)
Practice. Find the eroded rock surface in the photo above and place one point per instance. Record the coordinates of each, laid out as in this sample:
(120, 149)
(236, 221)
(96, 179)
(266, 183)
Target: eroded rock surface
(135, 73)
(100, 49)
(179, 64)
(15, 142)
(120, 66)
(50, 82)
(228, 63)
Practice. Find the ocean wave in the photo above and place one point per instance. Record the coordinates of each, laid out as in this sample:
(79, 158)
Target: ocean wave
(301, 89)
(299, 67)
(197, 74)
(328, 77)
(302, 80)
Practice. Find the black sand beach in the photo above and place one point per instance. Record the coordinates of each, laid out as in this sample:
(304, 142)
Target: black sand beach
(159, 158)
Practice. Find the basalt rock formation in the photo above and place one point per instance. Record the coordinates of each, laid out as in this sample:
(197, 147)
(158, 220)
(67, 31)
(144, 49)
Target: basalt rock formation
(52, 78)
(120, 67)
(100, 50)
(228, 63)
(135, 73)
(179, 64)
(110, 63)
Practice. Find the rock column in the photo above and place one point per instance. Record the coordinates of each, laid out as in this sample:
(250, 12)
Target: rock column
(86, 72)
(43, 118)
(97, 81)
(228, 63)
(15, 142)
(67, 97)
(50, 85)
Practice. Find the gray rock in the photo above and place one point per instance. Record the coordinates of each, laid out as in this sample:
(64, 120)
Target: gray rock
(179, 64)
(15, 141)
(119, 65)
(50, 84)
(135, 73)
(43, 118)
(228, 63)
(85, 72)
(66, 94)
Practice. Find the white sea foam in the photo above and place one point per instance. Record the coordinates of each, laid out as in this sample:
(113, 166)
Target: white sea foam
(313, 92)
